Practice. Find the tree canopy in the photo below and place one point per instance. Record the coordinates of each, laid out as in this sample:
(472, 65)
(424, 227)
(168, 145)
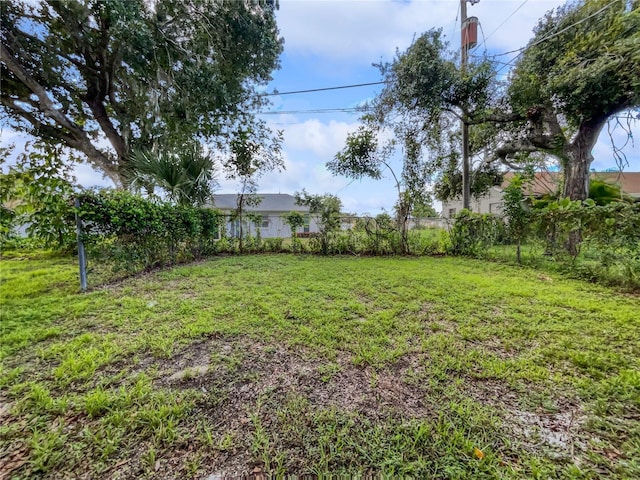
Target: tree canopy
(325, 210)
(581, 67)
(364, 157)
(425, 96)
(109, 78)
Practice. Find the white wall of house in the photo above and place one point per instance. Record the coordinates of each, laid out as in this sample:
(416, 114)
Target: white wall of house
(427, 222)
(491, 202)
(272, 226)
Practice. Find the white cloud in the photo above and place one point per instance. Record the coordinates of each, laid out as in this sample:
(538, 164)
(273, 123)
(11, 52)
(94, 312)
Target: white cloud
(366, 31)
(324, 140)
(517, 30)
(87, 176)
(345, 37)
(360, 30)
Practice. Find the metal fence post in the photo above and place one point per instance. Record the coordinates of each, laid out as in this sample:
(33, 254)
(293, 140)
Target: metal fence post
(81, 255)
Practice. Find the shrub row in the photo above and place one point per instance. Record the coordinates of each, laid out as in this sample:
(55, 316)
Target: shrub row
(606, 239)
(126, 233)
(134, 234)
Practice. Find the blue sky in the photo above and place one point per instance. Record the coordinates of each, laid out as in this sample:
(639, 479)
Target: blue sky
(333, 43)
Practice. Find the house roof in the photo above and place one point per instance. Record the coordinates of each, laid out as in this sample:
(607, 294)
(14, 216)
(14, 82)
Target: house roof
(271, 202)
(547, 182)
(543, 183)
(629, 181)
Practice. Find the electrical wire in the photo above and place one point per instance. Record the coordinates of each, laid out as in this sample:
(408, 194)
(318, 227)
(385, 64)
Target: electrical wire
(325, 89)
(555, 34)
(499, 26)
(317, 110)
(484, 40)
(348, 184)
(490, 58)
(521, 50)
(455, 22)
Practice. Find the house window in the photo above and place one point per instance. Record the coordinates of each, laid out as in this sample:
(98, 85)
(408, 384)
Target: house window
(217, 234)
(265, 223)
(306, 224)
(235, 228)
(452, 212)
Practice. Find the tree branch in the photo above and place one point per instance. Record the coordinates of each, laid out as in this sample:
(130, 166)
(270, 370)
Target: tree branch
(493, 117)
(14, 42)
(506, 150)
(46, 104)
(83, 144)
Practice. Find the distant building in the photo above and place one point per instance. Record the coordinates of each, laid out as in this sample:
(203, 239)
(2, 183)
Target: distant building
(543, 183)
(271, 209)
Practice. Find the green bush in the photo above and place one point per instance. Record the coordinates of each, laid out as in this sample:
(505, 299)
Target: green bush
(273, 245)
(132, 234)
(472, 233)
(608, 249)
(425, 241)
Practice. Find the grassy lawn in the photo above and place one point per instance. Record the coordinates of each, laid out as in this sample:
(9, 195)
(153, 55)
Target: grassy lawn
(279, 364)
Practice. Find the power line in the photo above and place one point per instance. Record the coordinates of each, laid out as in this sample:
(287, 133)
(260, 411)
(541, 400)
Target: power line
(521, 50)
(491, 58)
(484, 39)
(455, 22)
(340, 87)
(505, 21)
(510, 63)
(317, 110)
(555, 34)
(341, 189)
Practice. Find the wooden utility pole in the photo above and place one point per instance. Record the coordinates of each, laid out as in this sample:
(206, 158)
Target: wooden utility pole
(467, 40)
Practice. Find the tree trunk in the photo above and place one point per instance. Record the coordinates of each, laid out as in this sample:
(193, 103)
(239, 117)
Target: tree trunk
(576, 178)
(576, 172)
(578, 158)
(576, 187)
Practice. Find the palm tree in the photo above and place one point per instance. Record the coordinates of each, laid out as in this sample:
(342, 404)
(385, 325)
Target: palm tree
(186, 176)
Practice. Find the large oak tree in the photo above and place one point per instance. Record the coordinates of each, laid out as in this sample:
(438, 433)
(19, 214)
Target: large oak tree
(107, 78)
(581, 68)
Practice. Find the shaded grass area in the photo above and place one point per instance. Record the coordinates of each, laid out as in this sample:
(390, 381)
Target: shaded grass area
(620, 269)
(425, 367)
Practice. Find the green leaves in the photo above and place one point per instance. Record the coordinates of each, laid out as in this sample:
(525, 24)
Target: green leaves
(360, 157)
(37, 192)
(325, 210)
(584, 58)
(186, 174)
(134, 75)
(516, 212)
(131, 234)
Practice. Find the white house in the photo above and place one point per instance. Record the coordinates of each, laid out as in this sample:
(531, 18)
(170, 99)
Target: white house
(271, 209)
(490, 202)
(543, 183)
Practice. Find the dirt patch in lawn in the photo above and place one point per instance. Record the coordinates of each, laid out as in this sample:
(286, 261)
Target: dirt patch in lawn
(236, 374)
(555, 428)
(246, 368)
(244, 381)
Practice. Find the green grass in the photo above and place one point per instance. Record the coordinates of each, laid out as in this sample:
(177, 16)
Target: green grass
(355, 366)
(621, 269)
